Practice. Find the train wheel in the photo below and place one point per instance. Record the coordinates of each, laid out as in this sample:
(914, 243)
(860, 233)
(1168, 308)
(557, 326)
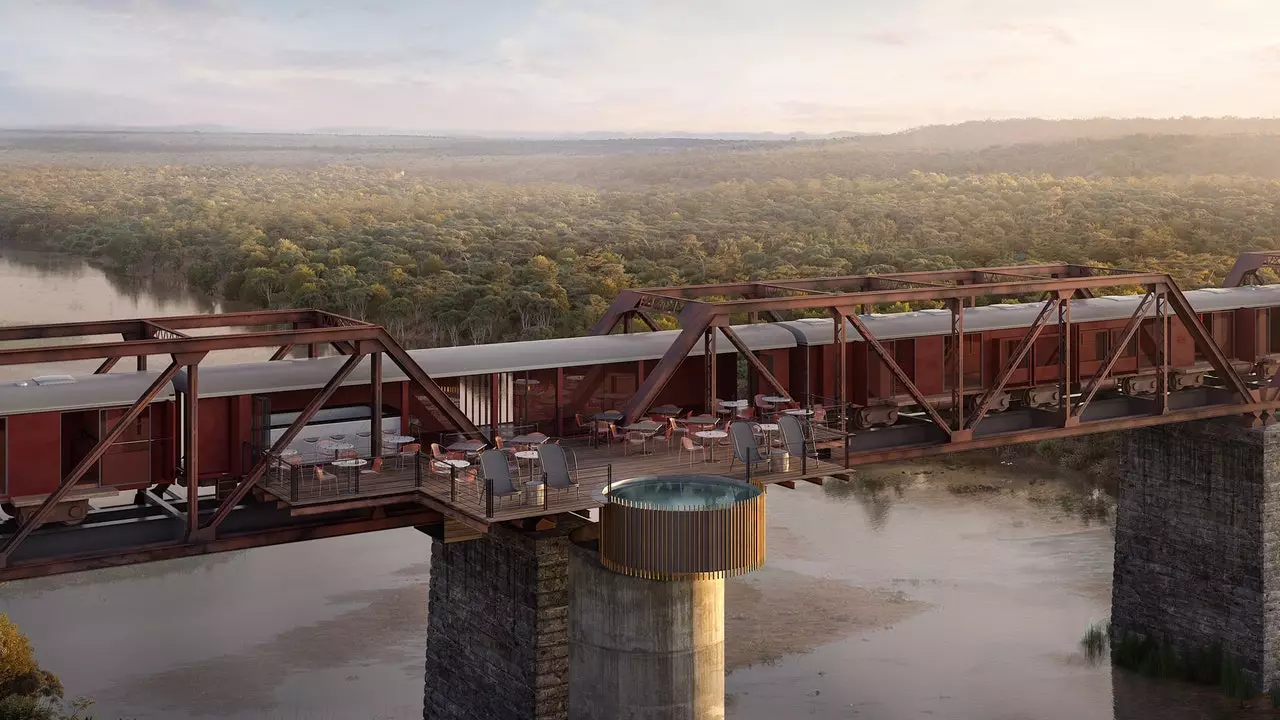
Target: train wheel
(75, 513)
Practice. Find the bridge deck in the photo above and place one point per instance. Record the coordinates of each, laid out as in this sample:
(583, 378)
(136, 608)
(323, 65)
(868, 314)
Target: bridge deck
(465, 491)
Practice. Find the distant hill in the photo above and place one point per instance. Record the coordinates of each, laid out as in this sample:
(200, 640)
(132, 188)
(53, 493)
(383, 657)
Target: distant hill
(978, 134)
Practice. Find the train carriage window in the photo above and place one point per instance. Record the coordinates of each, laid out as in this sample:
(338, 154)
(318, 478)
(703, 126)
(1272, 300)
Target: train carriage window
(1008, 348)
(1101, 346)
(1130, 349)
(972, 361)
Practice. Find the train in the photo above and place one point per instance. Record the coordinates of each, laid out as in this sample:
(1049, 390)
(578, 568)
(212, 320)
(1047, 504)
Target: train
(49, 423)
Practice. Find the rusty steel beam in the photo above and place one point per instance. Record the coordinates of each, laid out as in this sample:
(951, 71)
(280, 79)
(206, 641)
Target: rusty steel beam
(1065, 366)
(1199, 334)
(709, 368)
(1104, 371)
(924, 277)
(418, 376)
(693, 323)
(647, 320)
(586, 388)
(1162, 361)
(840, 331)
(909, 452)
(626, 302)
(170, 323)
(154, 328)
(106, 366)
(1018, 287)
(282, 352)
(343, 348)
(1245, 271)
(1011, 366)
(755, 362)
(956, 305)
(887, 358)
(375, 405)
(203, 344)
(191, 445)
(788, 288)
(240, 541)
(228, 504)
(99, 449)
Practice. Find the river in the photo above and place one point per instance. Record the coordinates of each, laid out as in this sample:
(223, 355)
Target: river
(945, 590)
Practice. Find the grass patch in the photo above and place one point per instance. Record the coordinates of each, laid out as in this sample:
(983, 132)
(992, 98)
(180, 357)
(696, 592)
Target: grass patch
(1097, 641)
(1151, 657)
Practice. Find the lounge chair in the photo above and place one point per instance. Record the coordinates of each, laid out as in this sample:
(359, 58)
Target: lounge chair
(497, 473)
(744, 445)
(555, 467)
(793, 436)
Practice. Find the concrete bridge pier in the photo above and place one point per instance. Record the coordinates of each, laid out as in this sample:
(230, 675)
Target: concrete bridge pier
(1197, 555)
(532, 627)
(643, 649)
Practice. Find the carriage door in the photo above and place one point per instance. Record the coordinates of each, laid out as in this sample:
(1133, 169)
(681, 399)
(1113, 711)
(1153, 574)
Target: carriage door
(260, 430)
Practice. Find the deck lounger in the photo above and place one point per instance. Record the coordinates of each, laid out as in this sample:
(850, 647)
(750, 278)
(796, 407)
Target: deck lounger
(494, 467)
(793, 436)
(744, 445)
(555, 465)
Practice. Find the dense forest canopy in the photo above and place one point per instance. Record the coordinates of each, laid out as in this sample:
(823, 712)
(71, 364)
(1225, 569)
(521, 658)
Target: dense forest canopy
(463, 241)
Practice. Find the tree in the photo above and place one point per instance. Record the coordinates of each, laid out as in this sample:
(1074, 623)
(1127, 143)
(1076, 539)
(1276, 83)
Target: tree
(28, 692)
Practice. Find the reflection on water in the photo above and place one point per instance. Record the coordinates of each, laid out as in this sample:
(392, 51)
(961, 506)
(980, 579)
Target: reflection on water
(48, 288)
(875, 495)
(323, 629)
(932, 591)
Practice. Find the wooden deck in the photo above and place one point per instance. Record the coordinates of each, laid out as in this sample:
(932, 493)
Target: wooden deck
(462, 493)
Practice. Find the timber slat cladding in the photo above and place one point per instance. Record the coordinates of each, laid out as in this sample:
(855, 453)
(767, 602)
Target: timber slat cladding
(683, 543)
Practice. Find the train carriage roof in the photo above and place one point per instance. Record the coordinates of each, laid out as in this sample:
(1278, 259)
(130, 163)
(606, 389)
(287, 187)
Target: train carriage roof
(65, 392)
(446, 362)
(122, 388)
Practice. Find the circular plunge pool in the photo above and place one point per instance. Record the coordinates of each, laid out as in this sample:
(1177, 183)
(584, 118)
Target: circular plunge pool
(679, 527)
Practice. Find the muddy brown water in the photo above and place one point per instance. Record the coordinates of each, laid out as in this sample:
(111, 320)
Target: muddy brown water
(940, 590)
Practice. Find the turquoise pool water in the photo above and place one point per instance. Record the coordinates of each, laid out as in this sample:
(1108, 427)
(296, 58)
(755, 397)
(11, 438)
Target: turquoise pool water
(671, 492)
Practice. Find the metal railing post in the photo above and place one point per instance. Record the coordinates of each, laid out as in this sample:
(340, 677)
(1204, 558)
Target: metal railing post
(488, 497)
(453, 484)
(417, 470)
(295, 480)
(804, 455)
(608, 483)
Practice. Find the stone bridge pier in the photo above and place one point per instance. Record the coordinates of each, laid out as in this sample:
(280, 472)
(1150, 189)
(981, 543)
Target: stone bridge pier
(1197, 552)
(533, 627)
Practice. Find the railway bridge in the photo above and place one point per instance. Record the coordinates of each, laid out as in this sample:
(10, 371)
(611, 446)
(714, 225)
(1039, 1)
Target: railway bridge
(511, 455)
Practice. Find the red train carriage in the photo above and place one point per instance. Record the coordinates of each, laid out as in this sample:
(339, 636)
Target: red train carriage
(49, 423)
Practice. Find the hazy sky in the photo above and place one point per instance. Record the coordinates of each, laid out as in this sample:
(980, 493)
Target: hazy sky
(574, 65)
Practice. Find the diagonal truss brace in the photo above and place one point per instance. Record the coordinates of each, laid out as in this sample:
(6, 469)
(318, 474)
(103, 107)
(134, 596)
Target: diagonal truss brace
(209, 532)
(754, 361)
(887, 358)
(1047, 311)
(1104, 370)
(1205, 343)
